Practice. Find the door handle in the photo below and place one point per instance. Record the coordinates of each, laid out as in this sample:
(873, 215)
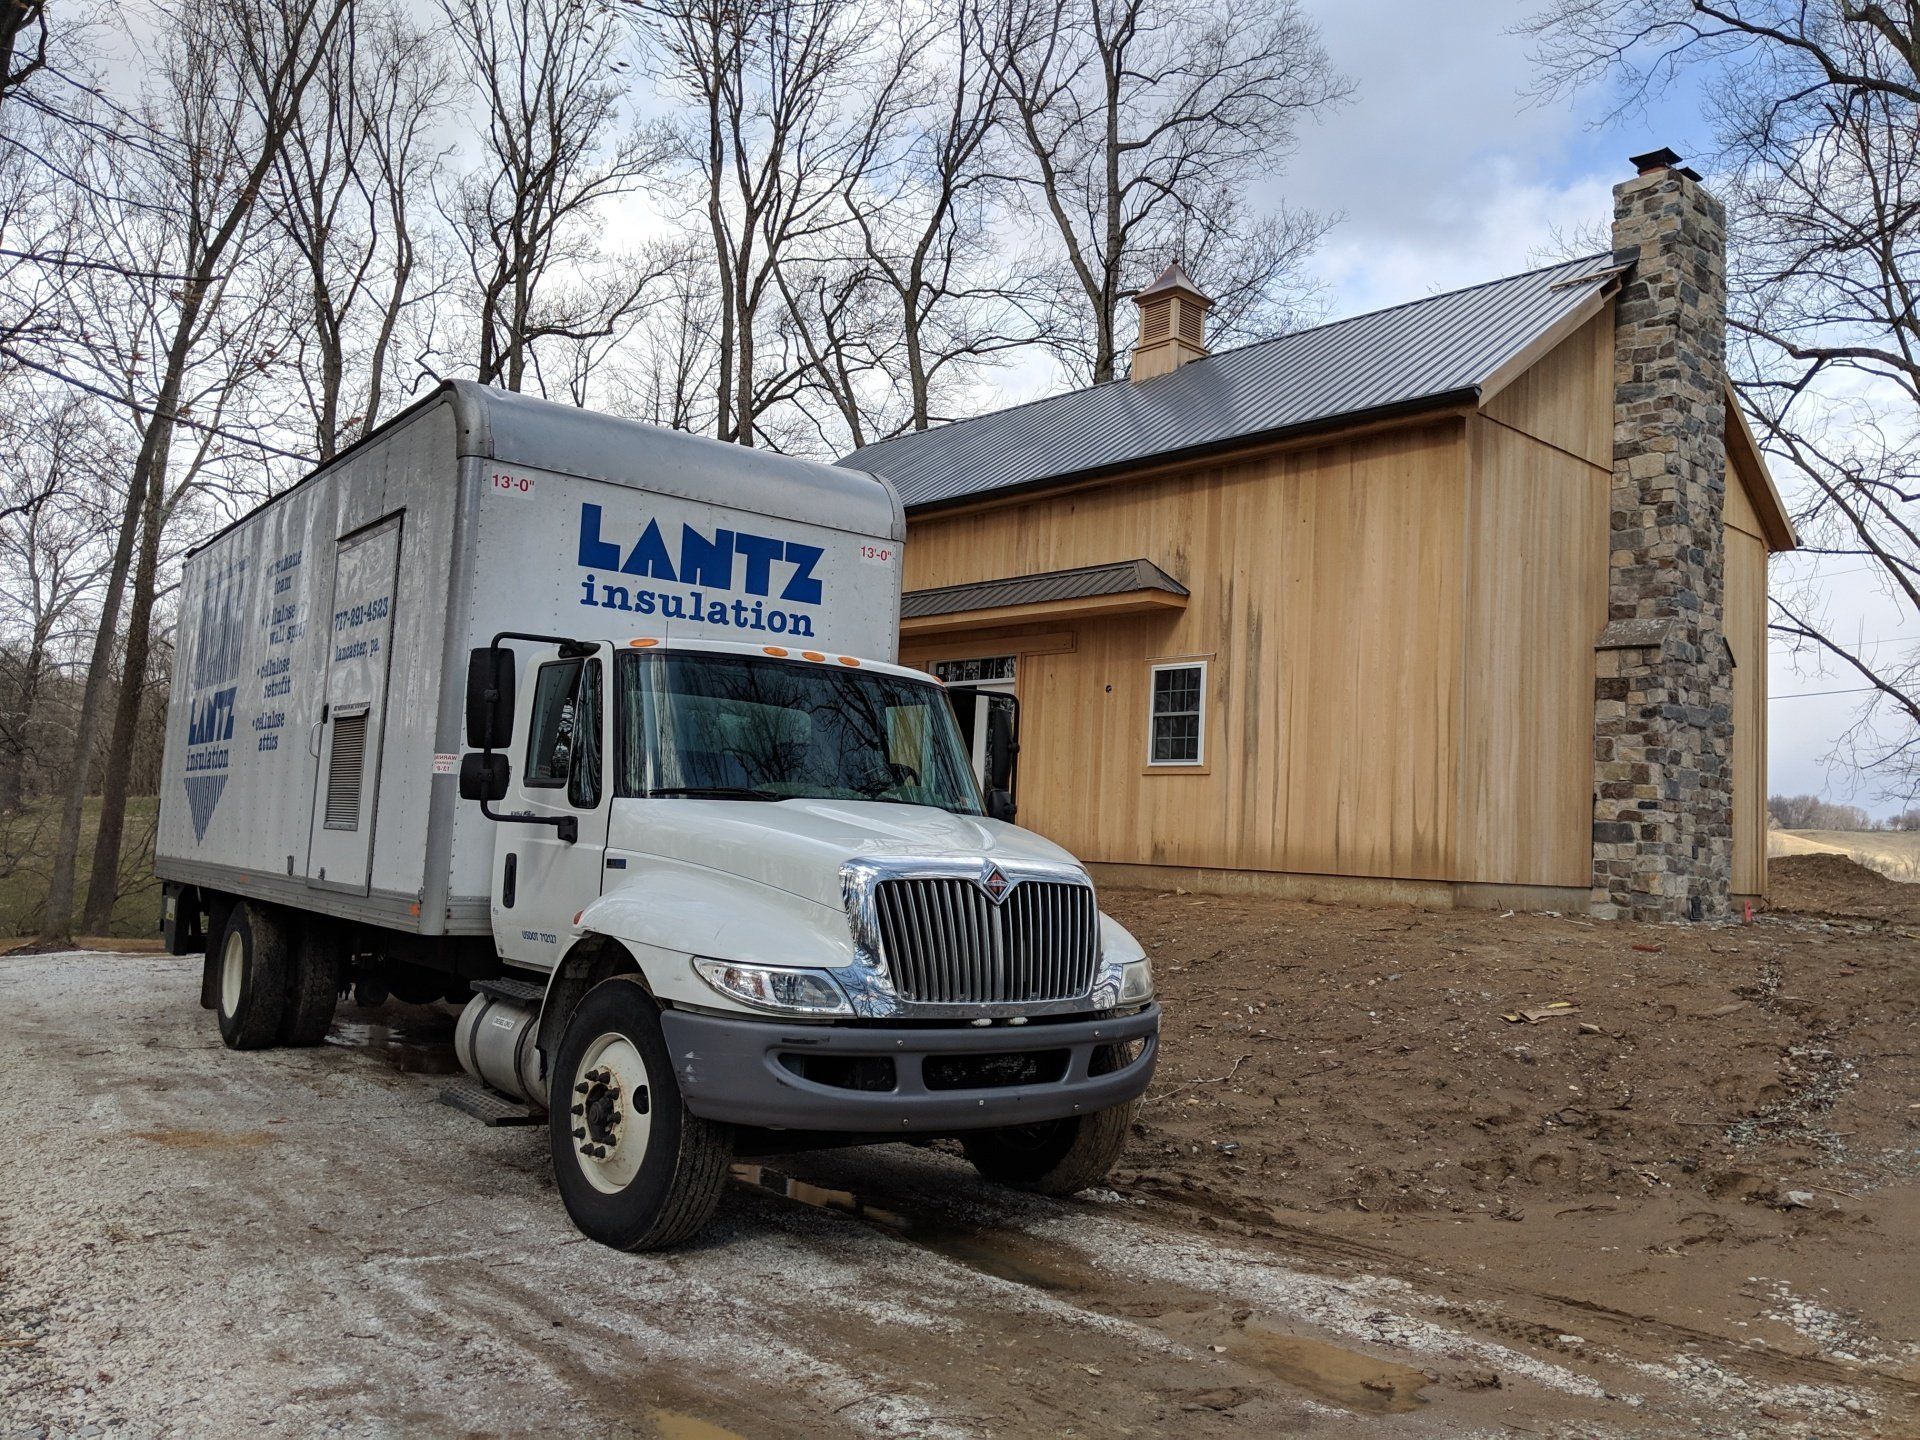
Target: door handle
(313, 737)
(510, 873)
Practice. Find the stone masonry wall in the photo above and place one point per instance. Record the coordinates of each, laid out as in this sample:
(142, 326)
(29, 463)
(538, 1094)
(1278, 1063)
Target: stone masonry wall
(1663, 697)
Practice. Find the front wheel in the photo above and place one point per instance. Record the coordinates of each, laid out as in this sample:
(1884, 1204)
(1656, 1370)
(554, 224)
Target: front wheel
(1053, 1157)
(637, 1171)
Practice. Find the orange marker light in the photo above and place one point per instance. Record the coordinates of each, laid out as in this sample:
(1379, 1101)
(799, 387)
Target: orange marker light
(848, 660)
(813, 655)
(775, 650)
(643, 643)
(576, 916)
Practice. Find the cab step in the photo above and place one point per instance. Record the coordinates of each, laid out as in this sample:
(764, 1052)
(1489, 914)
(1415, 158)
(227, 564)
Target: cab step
(521, 991)
(488, 1106)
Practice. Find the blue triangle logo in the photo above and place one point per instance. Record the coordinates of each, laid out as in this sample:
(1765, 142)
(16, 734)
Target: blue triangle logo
(203, 793)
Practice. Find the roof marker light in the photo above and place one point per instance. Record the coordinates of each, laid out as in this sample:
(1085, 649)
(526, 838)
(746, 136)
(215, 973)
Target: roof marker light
(812, 655)
(643, 643)
(775, 650)
(848, 660)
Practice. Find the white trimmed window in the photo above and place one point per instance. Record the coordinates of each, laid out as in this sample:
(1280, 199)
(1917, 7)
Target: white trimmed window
(987, 670)
(1177, 719)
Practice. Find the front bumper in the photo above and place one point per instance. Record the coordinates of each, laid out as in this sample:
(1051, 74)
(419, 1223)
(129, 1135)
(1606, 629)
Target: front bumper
(734, 1071)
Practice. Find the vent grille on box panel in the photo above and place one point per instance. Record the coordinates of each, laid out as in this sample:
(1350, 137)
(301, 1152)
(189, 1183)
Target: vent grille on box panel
(946, 943)
(1189, 322)
(1157, 319)
(346, 767)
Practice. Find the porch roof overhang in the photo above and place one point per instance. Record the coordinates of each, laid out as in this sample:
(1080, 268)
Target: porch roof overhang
(1124, 587)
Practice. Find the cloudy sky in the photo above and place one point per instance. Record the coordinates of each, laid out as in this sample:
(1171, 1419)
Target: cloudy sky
(1448, 174)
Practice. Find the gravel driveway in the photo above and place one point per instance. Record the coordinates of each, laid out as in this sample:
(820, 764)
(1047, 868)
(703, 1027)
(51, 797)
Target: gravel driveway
(195, 1242)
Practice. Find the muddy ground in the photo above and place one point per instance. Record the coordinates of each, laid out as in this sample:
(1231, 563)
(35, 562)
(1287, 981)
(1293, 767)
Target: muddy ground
(1359, 1202)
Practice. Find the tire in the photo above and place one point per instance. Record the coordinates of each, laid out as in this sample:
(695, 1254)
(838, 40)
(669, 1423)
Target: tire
(1055, 1157)
(662, 1193)
(313, 988)
(254, 976)
(219, 908)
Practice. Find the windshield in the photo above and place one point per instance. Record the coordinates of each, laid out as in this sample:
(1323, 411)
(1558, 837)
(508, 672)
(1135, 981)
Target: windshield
(741, 727)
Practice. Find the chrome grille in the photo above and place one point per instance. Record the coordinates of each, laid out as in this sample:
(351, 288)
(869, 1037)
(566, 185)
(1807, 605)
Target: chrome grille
(944, 942)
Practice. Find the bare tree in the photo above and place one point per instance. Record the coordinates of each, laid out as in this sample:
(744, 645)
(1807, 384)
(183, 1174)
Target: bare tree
(357, 162)
(1817, 111)
(553, 153)
(23, 42)
(790, 102)
(231, 74)
(1144, 121)
(1810, 812)
(54, 449)
(946, 297)
(666, 373)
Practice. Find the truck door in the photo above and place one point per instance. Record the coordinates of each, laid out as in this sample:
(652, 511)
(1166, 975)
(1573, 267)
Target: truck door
(540, 879)
(347, 737)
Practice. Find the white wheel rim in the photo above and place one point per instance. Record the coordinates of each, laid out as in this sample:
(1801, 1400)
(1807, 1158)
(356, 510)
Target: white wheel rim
(610, 1113)
(233, 959)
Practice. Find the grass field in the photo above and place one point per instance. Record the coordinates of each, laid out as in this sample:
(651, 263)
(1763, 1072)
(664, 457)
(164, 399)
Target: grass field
(1895, 854)
(26, 849)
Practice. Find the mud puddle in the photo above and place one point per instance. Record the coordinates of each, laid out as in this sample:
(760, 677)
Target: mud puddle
(674, 1425)
(1328, 1372)
(417, 1040)
(1001, 1255)
(203, 1139)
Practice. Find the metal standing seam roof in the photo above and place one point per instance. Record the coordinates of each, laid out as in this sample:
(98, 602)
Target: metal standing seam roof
(1120, 578)
(1425, 351)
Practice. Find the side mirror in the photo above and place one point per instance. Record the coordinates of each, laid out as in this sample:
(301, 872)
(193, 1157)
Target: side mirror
(1002, 746)
(489, 701)
(484, 776)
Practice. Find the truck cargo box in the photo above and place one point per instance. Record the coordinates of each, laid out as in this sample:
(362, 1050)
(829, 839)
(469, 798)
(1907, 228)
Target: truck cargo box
(315, 723)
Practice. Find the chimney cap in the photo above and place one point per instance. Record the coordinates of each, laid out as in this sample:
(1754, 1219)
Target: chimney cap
(1174, 280)
(1661, 159)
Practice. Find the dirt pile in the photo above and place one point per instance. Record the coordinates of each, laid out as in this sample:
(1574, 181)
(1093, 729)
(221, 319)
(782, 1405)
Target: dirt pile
(1318, 1057)
(1836, 885)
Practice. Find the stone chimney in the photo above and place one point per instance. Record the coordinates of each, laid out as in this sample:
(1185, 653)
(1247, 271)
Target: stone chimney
(1173, 324)
(1663, 699)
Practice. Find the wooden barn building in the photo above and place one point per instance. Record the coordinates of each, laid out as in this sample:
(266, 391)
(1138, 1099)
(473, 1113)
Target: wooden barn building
(1460, 603)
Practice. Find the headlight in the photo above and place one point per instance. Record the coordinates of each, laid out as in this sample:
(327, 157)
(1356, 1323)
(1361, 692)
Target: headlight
(769, 987)
(1136, 982)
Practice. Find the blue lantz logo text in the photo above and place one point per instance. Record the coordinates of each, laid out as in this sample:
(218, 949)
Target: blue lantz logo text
(725, 561)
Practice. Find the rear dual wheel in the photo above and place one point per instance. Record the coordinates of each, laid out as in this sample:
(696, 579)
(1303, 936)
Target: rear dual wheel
(254, 971)
(275, 986)
(636, 1170)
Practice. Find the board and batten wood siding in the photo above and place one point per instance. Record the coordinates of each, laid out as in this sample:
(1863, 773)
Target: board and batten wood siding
(1326, 599)
(1399, 629)
(1541, 458)
(1746, 630)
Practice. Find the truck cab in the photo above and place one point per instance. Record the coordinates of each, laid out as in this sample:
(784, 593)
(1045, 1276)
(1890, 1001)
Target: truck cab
(759, 898)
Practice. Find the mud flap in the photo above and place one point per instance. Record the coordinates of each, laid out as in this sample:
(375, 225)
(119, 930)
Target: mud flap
(180, 929)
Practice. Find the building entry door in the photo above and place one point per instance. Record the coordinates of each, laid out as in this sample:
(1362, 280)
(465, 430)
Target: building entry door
(990, 675)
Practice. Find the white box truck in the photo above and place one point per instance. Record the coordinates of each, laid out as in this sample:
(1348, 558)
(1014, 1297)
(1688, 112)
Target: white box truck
(593, 726)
